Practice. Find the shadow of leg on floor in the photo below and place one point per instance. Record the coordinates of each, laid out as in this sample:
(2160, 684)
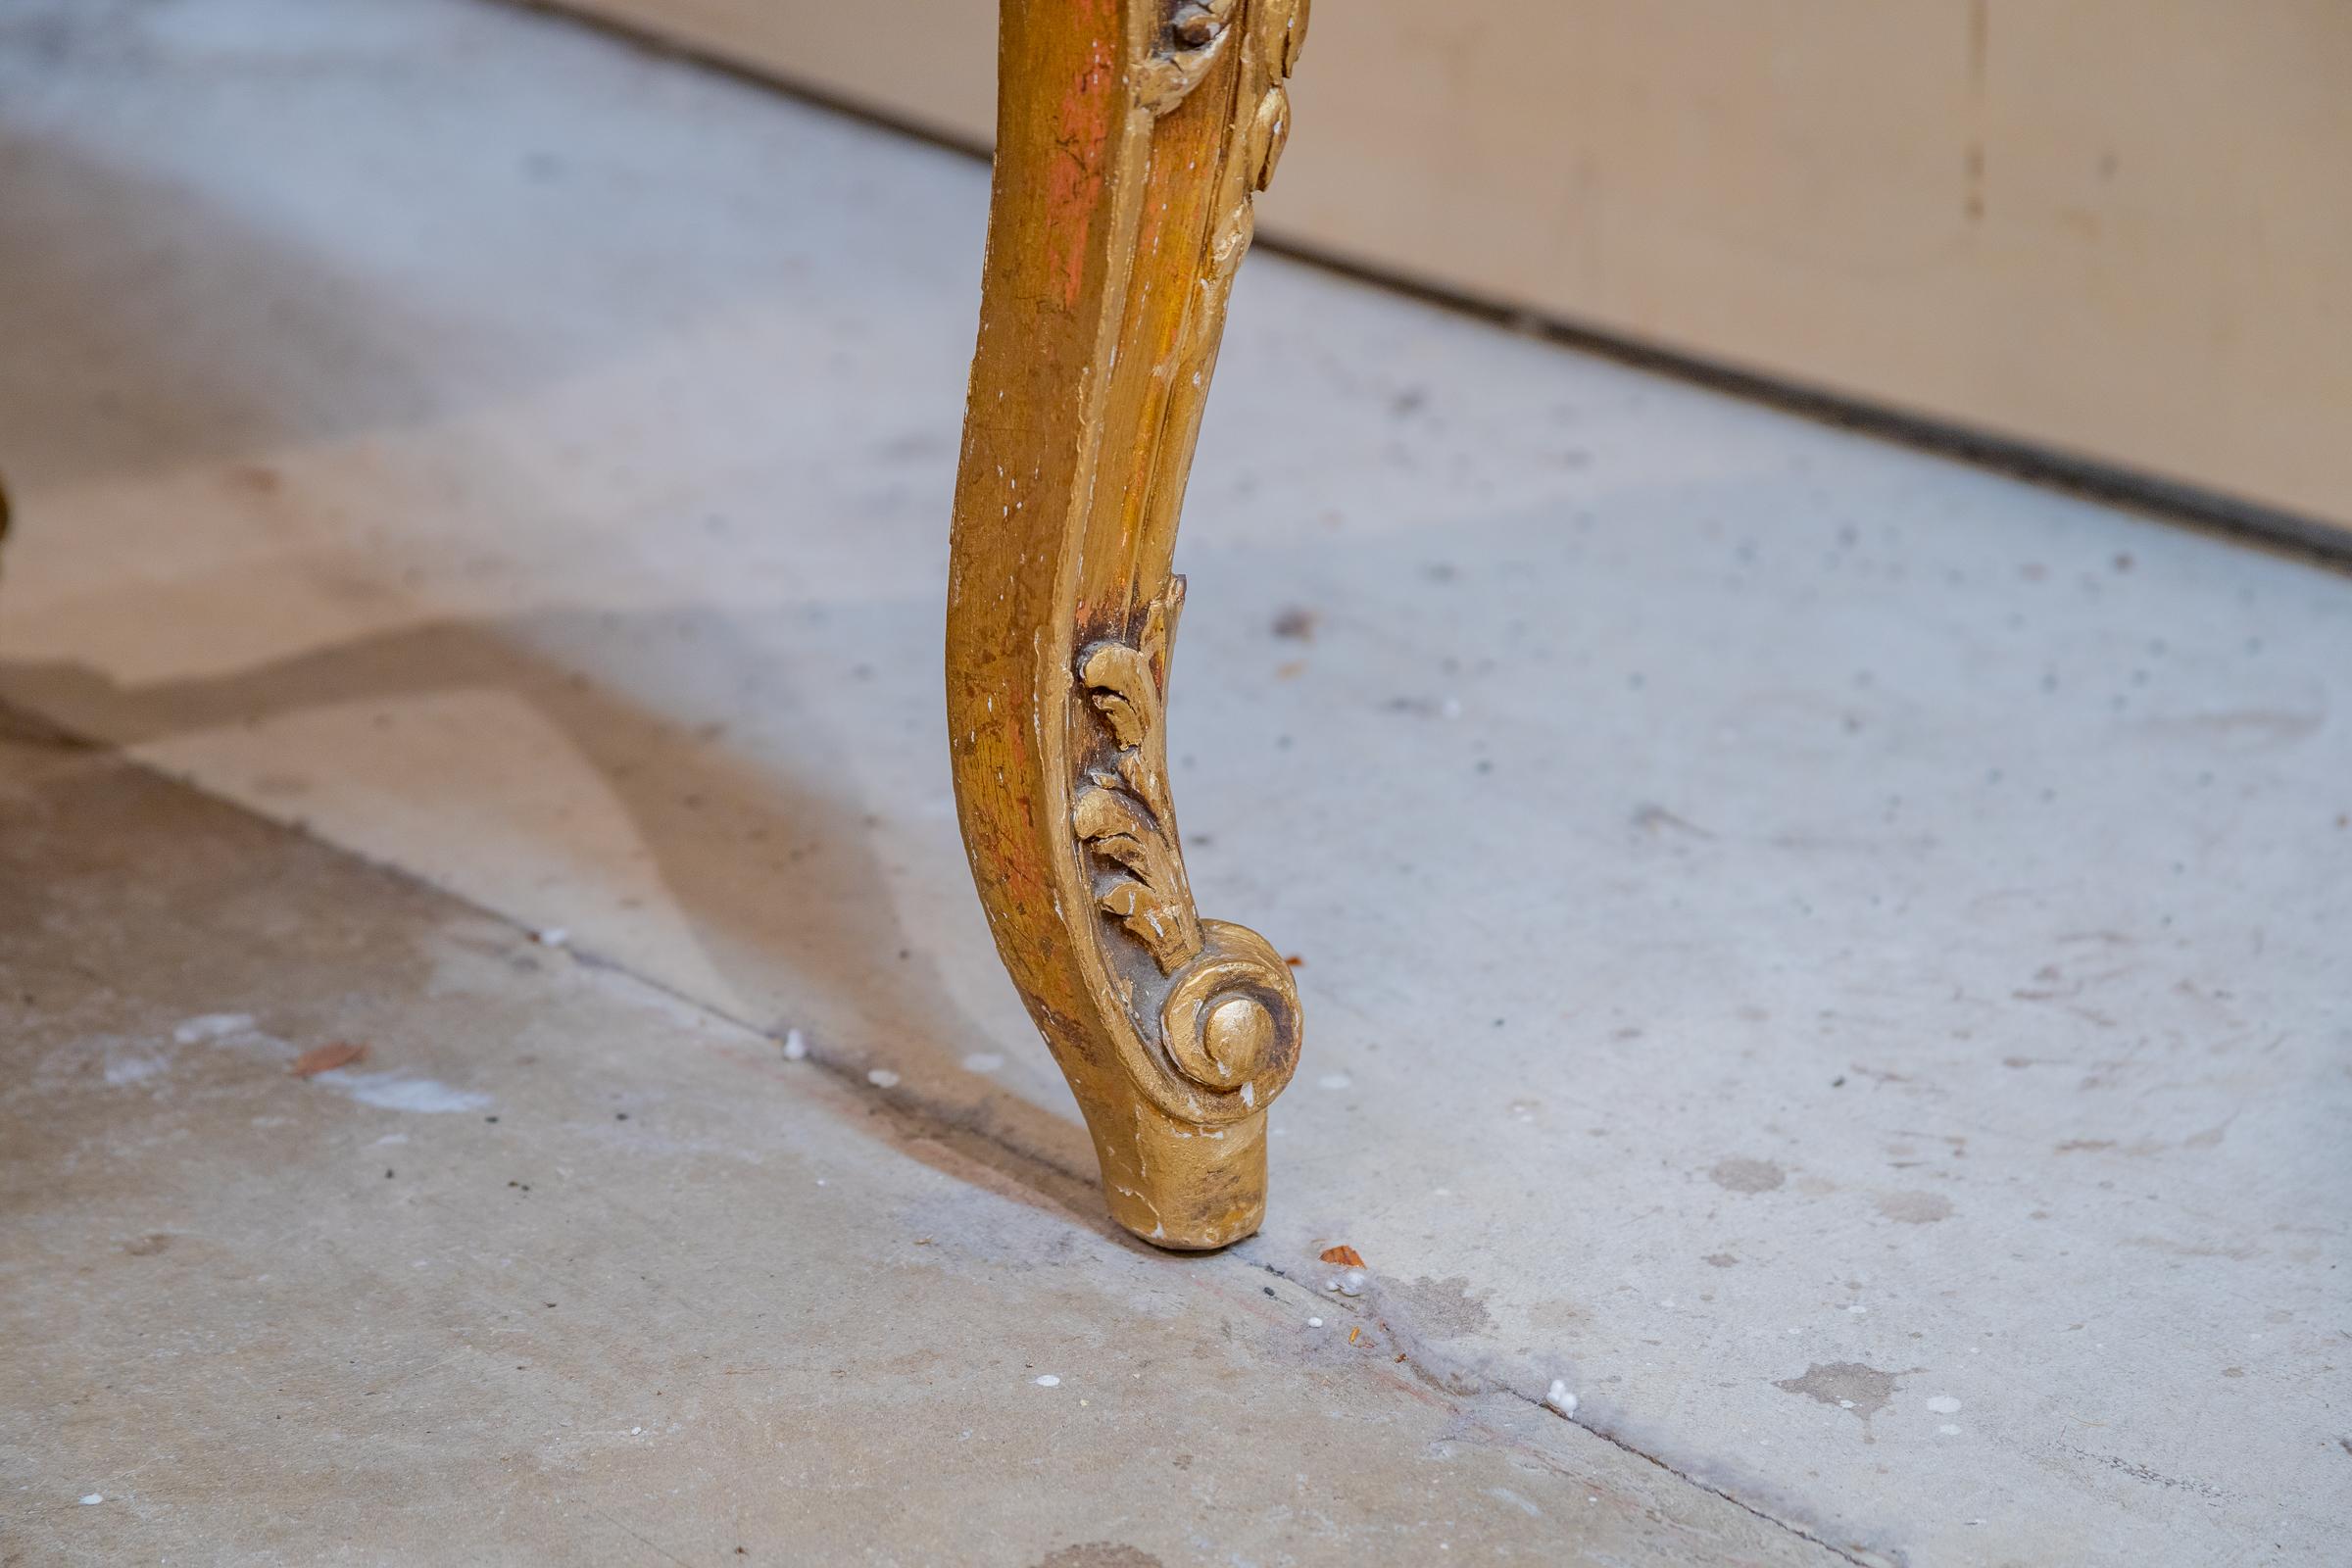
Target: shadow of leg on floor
(774, 870)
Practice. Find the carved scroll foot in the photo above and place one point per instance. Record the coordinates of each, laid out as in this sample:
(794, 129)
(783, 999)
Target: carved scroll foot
(1195, 1177)
(1130, 136)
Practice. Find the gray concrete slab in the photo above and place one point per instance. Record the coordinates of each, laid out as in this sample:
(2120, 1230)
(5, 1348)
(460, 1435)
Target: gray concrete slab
(1837, 957)
(565, 1269)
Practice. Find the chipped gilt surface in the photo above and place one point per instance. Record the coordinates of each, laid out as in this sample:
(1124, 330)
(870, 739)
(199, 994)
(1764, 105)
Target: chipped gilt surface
(1131, 136)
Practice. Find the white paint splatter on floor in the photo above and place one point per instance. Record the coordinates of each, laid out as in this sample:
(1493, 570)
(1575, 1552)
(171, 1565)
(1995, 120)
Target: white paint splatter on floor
(1506, 1495)
(397, 1091)
(213, 1026)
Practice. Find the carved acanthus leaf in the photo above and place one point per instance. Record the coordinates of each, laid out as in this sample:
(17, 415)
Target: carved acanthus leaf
(1119, 680)
(1123, 814)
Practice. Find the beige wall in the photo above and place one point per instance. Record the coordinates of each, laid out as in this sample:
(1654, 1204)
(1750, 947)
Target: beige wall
(2119, 229)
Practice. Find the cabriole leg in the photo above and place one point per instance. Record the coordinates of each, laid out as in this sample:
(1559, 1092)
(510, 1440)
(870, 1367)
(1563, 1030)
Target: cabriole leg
(1130, 137)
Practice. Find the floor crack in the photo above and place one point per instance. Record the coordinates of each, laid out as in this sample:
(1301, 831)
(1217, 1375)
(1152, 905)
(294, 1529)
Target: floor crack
(1450, 1381)
(1874, 1560)
(1074, 1190)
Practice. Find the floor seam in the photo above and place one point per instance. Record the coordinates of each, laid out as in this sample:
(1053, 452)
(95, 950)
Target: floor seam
(1448, 1380)
(914, 1117)
(1745, 1507)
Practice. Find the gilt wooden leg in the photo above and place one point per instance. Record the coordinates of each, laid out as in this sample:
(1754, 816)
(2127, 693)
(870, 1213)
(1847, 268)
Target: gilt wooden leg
(1130, 136)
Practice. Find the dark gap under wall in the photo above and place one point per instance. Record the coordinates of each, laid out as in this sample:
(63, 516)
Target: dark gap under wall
(2169, 501)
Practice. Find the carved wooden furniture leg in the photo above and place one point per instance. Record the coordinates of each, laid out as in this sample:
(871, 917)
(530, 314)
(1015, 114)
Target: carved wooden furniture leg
(1130, 135)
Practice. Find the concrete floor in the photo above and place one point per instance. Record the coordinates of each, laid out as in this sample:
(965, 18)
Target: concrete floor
(570, 1270)
(1837, 957)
